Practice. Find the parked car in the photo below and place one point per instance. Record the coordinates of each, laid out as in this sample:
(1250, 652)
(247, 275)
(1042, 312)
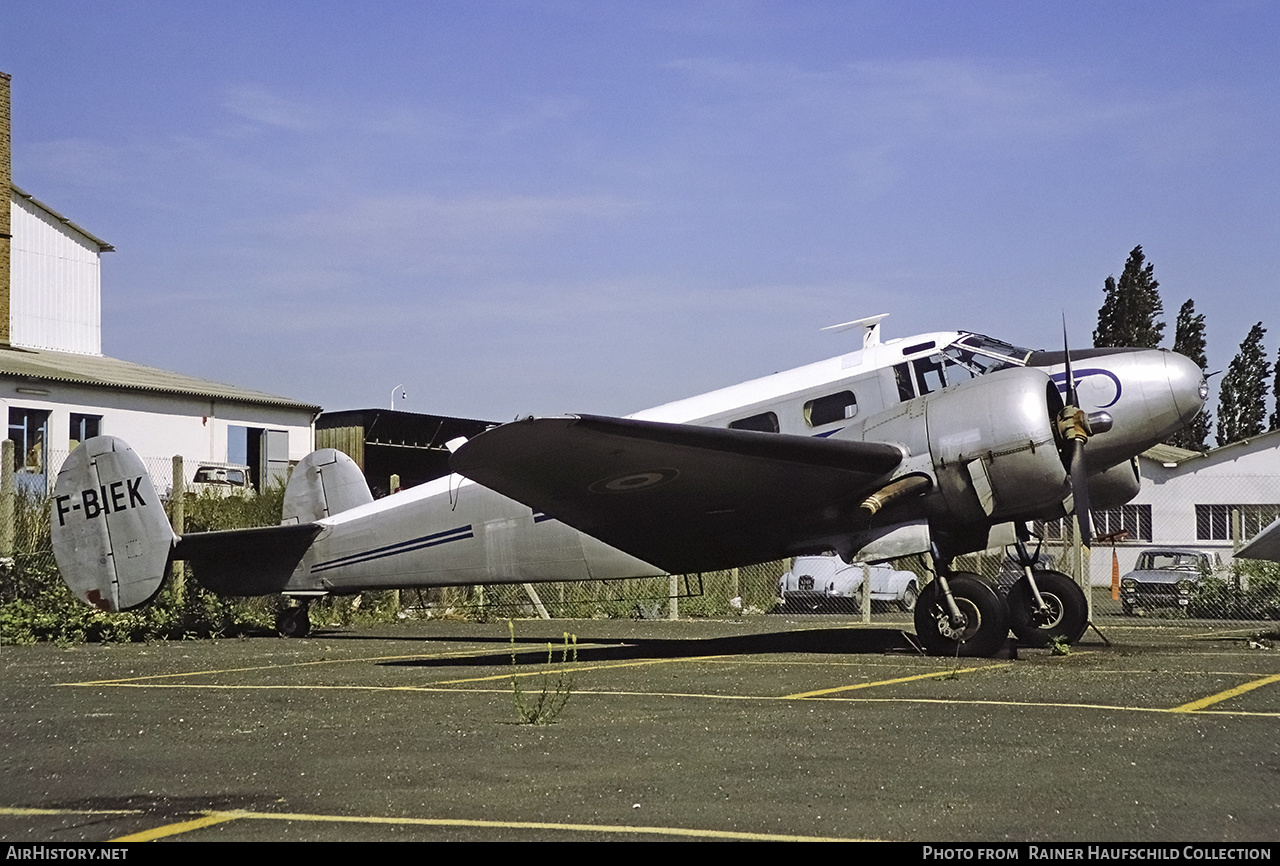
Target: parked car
(825, 582)
(1166, 577)
(222, 478)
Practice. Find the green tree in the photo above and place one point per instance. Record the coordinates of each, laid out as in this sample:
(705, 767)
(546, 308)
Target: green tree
(1189, 340)
(1275, 416)
(1242, 397)
(1131, 309)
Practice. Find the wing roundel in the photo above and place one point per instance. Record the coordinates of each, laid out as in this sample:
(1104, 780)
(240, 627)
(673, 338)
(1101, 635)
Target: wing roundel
(682, 497)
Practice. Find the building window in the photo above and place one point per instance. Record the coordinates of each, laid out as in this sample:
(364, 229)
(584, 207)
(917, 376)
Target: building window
(84, 427)
(29, 430)
(765, 422)
(829, 409)
(1132, 519)
(1213, 522)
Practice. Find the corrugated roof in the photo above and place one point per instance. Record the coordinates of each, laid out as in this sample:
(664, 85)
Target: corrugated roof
(103, 372)
(1169, 453)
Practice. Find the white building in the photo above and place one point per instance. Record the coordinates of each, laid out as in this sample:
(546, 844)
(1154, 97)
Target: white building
(57, 388)
(1212, 501)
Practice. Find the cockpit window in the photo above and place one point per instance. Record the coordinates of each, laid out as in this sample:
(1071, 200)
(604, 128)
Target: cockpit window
(994, 348)
(976, 355)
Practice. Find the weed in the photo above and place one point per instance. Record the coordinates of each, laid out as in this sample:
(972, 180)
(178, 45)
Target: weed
(550, 701)
(1059, 645)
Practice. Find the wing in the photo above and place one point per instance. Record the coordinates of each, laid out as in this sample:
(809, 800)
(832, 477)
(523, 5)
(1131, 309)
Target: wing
(682, 497)
(1264, 545)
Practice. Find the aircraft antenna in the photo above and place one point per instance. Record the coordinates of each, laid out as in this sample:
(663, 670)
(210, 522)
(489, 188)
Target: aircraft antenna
(870, 326)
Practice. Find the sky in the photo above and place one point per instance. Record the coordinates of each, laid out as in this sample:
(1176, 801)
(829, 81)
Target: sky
(513, 208)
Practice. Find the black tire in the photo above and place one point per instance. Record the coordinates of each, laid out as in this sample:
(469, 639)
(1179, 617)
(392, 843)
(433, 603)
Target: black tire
(1068, 615)
(1126, 608)
(987, 618)
(294, 622)
(910, 598)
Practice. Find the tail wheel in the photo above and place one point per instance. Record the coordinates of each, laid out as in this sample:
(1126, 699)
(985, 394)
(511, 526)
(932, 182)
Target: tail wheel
(1066, 617)
(986, 619)
(294, 622)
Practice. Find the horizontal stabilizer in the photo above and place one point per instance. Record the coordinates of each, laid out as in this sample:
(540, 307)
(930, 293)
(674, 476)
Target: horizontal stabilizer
(682, 497)
(246, 561)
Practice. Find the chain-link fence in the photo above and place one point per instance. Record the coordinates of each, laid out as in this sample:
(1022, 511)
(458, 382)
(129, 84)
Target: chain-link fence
(1165, 557)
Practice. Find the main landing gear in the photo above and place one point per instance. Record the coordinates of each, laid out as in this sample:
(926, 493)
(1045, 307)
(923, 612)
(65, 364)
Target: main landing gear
(960, 614)
(1045, 606)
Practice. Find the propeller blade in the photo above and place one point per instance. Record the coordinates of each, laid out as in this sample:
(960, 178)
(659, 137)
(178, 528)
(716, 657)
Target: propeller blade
(1071, 379)
(1080, 492)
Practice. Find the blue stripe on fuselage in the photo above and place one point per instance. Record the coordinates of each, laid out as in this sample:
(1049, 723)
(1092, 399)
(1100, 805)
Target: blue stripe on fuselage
(424, 541)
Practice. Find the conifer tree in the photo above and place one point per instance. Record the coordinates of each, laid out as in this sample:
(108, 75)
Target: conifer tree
(1275, 392)
(1131, 309)
(1242, 397)
(1189, 340)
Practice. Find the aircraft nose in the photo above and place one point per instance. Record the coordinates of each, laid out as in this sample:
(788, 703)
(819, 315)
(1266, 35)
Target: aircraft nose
(1187, 384)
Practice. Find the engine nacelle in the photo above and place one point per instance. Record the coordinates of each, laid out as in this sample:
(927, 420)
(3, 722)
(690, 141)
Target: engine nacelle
(990, 444)
(1116, 486)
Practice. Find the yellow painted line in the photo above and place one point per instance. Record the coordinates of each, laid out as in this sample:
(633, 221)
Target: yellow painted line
(618, 829)
(928, 676)
(606, 693)
(206, 820)
(1052, 704)
(19, 812)
(575, 669)
(505, 653)
(1229, 693)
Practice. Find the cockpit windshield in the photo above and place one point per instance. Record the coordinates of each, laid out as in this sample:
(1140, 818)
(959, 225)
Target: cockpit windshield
(977, 355)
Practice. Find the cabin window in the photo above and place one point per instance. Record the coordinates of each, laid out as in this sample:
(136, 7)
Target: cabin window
(831, 408)
(765, 422)
(84, 427)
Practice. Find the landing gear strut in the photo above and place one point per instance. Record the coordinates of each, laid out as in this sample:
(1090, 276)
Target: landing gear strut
(959, 614)
(294, 621)
(1045, 605)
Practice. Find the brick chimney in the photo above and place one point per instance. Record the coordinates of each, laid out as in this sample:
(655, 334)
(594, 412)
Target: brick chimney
(6, 205)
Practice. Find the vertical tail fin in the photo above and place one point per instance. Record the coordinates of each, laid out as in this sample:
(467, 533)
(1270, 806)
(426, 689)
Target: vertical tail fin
(111, 537)
(324, 483)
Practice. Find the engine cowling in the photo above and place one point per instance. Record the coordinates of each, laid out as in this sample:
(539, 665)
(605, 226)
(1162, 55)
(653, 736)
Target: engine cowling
(989, 444)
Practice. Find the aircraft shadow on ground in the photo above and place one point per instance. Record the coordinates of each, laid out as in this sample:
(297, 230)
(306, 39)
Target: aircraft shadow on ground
(533, 651)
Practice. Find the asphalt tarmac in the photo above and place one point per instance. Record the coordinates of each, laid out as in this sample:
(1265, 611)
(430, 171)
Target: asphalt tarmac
(766, 728)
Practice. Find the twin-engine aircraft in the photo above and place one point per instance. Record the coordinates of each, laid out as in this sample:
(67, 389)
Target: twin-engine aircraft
(942, 444)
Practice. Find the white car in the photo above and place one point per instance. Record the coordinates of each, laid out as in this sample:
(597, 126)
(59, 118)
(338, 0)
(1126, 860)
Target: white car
(826, 582)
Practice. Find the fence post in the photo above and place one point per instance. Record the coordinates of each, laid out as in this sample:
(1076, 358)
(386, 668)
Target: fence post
(177, 519)
(673, 600)
(6, 498)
